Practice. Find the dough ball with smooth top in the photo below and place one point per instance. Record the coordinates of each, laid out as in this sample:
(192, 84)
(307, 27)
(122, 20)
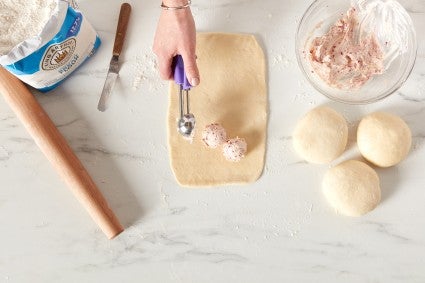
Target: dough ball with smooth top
(384, 139)
(352, 188)
(321, 135)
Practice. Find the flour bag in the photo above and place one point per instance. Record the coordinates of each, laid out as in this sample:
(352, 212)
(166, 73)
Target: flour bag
(44, 41)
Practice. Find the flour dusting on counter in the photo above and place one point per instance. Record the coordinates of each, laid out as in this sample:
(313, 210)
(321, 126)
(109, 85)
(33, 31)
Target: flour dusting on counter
(146, 72)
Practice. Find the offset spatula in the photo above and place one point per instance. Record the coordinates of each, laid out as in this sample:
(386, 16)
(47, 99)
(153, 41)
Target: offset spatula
(113, 65)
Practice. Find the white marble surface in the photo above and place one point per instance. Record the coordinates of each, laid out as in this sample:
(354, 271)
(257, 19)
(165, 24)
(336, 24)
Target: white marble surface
(279, 229)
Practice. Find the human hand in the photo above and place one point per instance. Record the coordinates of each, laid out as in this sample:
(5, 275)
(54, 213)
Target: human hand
(176, 35)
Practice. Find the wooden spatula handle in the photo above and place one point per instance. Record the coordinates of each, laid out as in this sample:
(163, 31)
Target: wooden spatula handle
(56, 149)
(123, 19)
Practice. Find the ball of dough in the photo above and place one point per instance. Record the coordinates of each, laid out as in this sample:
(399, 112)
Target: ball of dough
(235, 149)
(352, 188)
(384, 139)
(214, 135)
(321, 135)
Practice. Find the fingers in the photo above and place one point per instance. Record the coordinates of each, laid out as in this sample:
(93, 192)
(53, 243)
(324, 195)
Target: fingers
(191, 69)
(164, 66)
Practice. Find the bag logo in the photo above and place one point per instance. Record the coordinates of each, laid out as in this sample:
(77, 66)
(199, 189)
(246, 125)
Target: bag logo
(58, 55)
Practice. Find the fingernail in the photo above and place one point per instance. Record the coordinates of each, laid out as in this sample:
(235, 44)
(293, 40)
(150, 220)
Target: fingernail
(194, 81)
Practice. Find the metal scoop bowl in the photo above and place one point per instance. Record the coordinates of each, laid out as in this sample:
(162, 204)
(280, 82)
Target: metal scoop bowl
(186, 125)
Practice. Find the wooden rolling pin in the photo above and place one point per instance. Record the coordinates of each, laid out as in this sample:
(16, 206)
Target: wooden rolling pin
(56, 149)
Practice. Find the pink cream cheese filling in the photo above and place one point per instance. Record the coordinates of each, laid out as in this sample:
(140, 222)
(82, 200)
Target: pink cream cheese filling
(342, 58)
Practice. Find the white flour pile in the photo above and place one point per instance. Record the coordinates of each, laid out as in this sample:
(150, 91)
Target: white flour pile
(22, 19)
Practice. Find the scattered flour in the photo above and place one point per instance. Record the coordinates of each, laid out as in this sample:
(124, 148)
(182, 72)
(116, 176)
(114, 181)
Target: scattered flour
(146, 72)
(281, 61)
(22, 19)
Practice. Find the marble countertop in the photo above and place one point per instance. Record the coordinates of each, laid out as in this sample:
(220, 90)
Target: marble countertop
(279, 229)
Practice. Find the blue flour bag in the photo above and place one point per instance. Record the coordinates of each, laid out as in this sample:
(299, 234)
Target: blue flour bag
(65, 42)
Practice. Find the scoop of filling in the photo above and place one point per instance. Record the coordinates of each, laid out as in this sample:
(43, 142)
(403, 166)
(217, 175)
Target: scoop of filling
(214, 135)
(235, 149)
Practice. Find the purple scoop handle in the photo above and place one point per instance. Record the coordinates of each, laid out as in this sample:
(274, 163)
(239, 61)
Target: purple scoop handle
(179, 73)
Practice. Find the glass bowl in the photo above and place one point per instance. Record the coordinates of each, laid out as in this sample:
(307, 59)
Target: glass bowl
(316, 22)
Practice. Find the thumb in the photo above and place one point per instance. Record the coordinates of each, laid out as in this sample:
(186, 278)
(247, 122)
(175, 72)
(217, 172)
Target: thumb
(191, 69)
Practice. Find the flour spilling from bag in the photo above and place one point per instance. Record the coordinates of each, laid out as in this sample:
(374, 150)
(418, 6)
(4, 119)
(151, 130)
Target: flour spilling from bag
(43, 41)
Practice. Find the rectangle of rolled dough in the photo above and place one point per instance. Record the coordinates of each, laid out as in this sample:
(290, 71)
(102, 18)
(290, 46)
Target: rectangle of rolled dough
(232, 92)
